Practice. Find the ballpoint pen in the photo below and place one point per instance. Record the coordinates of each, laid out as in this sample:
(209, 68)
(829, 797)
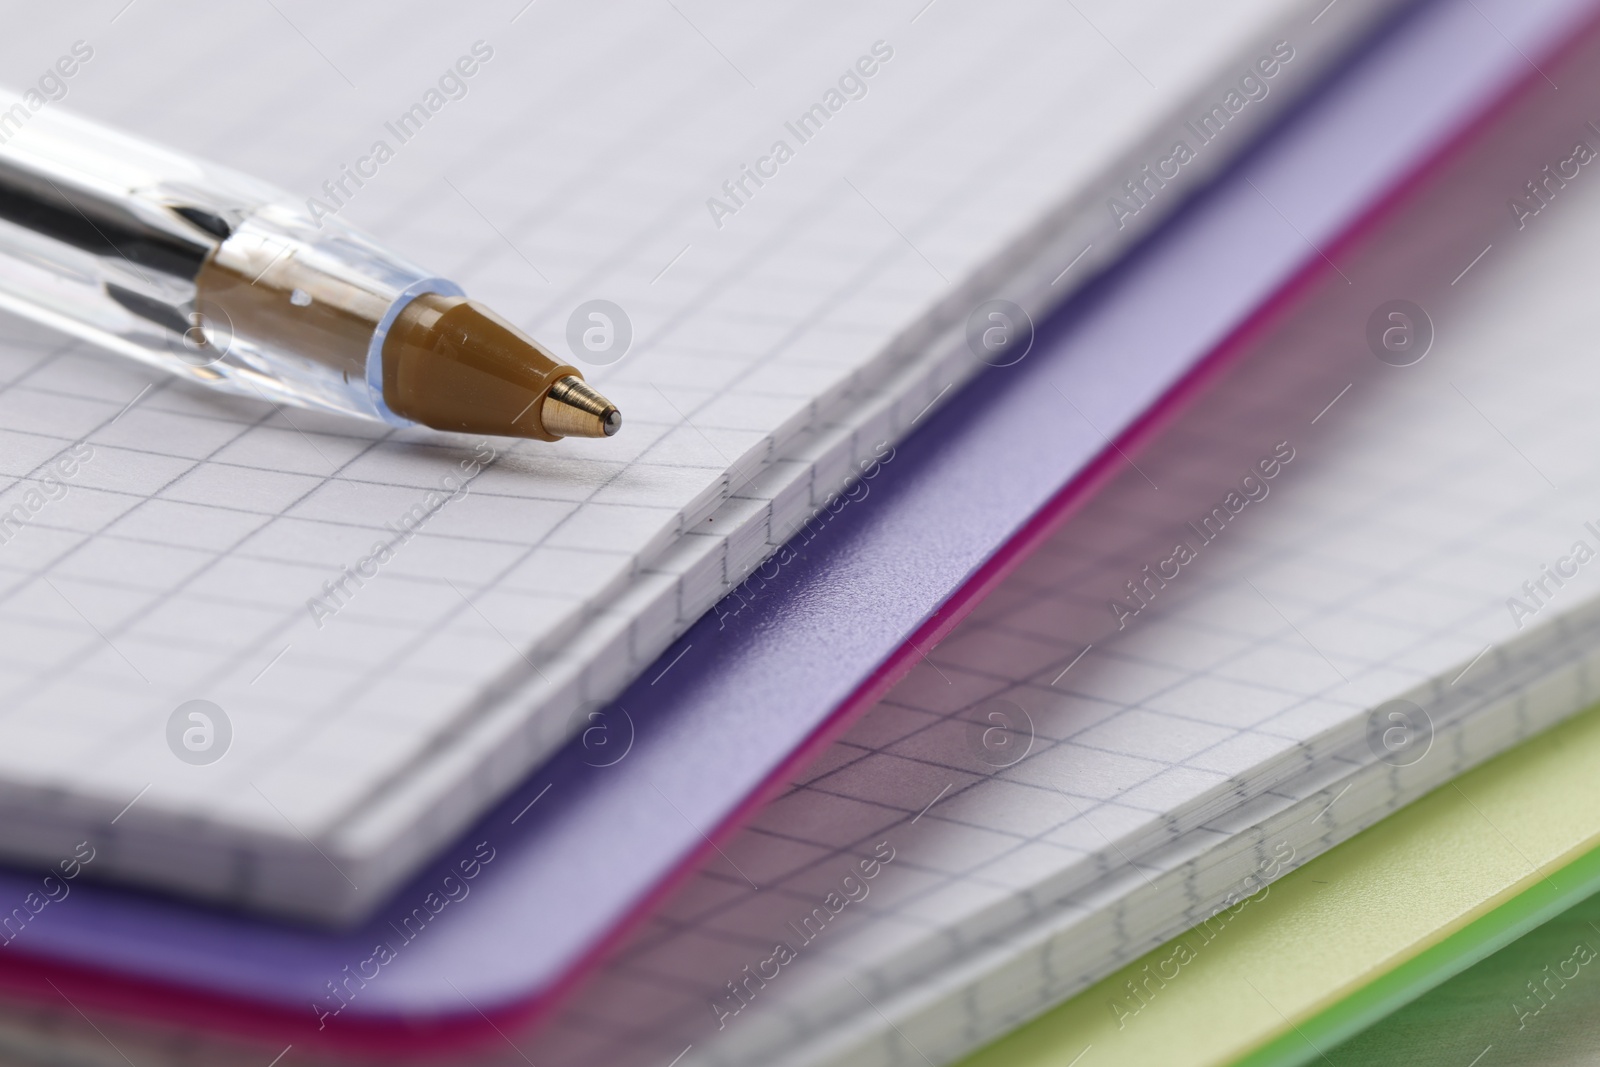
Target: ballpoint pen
(226, 281)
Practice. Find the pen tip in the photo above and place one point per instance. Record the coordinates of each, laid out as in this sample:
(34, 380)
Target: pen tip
(574, 409)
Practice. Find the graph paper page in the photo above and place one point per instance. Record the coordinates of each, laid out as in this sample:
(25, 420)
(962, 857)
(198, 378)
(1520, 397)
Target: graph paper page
(202, 546)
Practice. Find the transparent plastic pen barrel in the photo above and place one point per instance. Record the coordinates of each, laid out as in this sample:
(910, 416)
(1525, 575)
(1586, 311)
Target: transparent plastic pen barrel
(192, 268)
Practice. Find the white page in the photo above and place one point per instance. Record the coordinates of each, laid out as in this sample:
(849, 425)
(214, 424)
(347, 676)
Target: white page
(821, 316)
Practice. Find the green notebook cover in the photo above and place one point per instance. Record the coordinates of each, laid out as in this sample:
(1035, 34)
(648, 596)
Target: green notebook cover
(1535, 1001)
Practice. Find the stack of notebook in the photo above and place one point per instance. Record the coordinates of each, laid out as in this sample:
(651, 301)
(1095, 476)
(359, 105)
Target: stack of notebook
(878, 691)
(774, 349)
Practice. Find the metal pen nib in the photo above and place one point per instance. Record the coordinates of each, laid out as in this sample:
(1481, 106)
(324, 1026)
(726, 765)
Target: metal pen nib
(572, 408)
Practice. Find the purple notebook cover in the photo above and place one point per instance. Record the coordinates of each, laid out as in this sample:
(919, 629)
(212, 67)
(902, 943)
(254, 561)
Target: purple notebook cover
(591, 841)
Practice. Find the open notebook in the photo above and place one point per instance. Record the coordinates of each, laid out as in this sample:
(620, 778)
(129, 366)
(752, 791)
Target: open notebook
(779, 327)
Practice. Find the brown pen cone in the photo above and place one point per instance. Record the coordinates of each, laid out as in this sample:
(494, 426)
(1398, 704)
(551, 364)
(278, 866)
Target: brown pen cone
(452, 364)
